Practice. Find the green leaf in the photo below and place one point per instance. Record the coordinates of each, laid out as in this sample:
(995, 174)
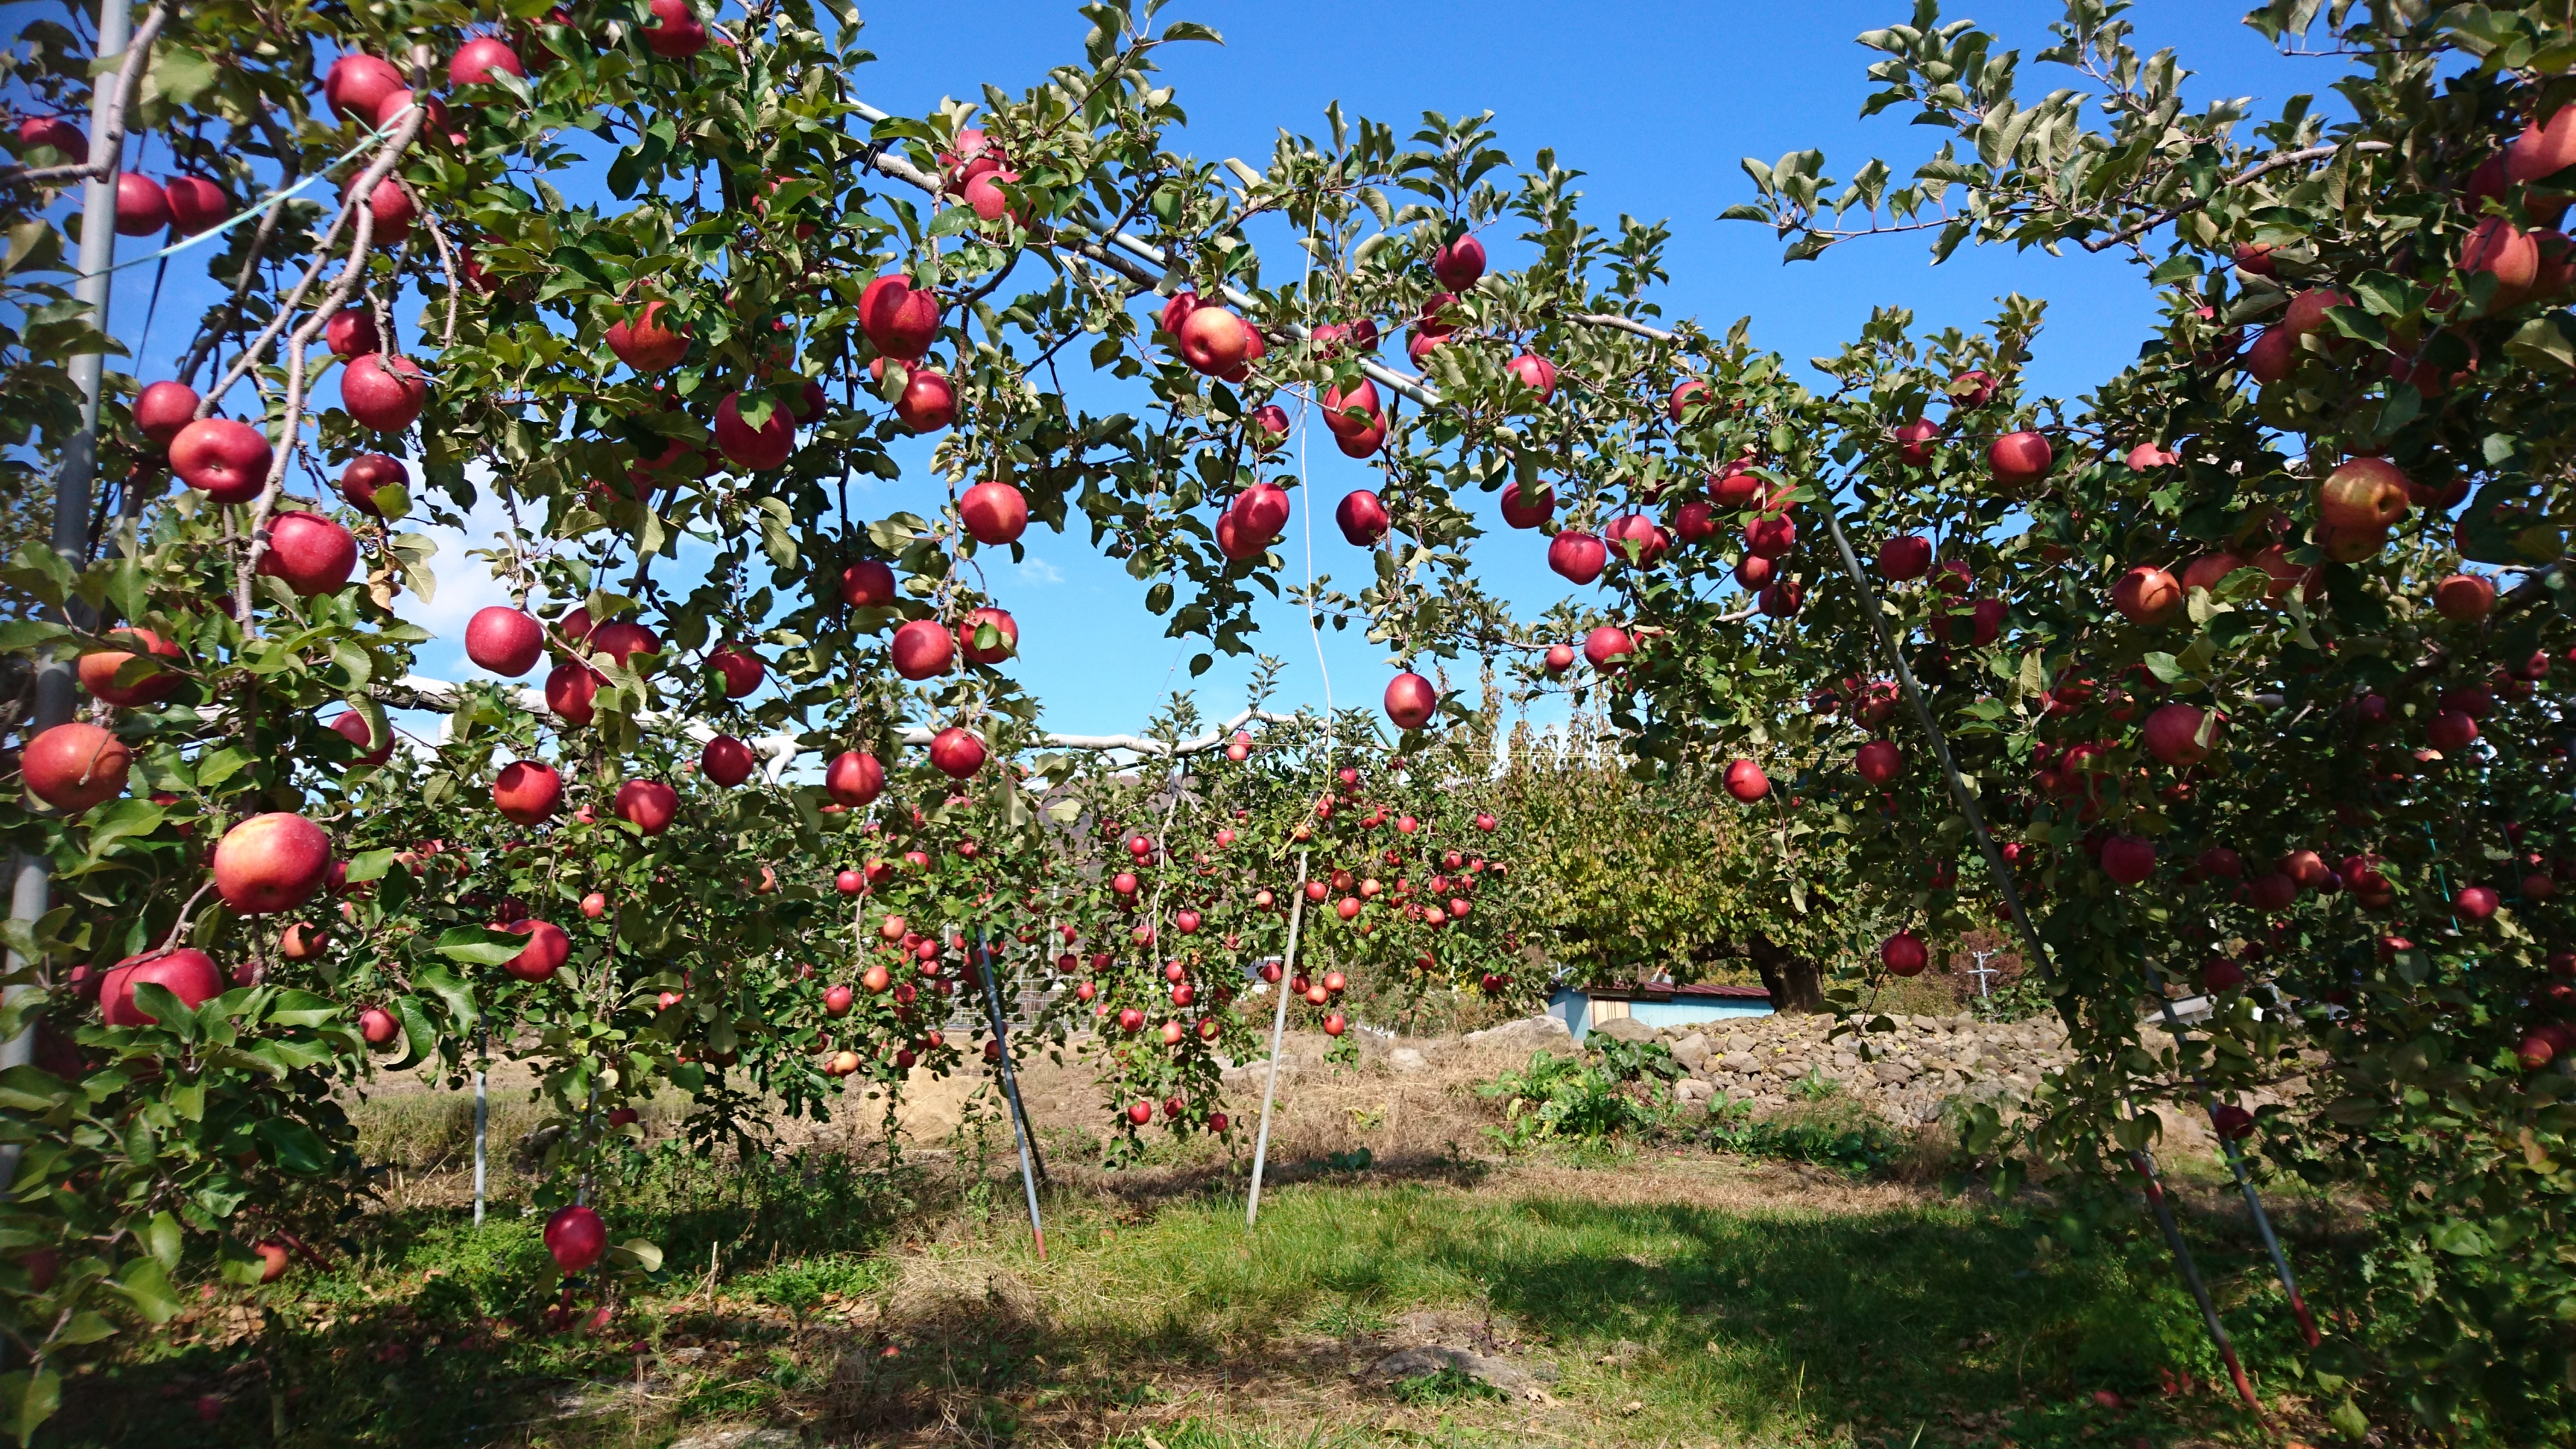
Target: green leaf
(477, 946)
(163, 1240)
(637, 1253)
(370, 865)
(298, 1148)
(27, 1401)
(145, 1286)
(2460, 1239)
(123, 820)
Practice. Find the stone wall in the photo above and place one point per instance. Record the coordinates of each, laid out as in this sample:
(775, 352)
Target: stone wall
(1916, 1069)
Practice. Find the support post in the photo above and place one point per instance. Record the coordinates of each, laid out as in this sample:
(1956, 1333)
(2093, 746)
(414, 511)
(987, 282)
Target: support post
(482, 1121)
(1278, 1031)
(1020, 1128)
(30, 889)
(2035, 952)
(2244, 1179)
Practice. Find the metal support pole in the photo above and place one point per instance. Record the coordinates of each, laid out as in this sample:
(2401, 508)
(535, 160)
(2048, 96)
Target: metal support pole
(2035, 952)
(1278, 1030)
(2244, 1179)
(1020, 1128)
(482, 1121)
(30, 890)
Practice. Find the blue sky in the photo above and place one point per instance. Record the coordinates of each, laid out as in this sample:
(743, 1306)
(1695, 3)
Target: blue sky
(1655, 102)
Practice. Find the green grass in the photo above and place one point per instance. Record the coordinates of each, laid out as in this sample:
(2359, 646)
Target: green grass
(1668, 1322)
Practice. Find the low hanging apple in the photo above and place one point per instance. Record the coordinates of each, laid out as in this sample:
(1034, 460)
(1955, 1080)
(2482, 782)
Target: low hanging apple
(272, 862)
(74, 766)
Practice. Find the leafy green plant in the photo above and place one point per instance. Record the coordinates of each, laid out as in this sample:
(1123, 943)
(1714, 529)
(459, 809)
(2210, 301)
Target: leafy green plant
(1567, 1098)
(1446, 1385)
(1845, 1137)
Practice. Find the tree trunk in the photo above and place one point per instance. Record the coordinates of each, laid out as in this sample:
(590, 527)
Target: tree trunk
(1797, 987)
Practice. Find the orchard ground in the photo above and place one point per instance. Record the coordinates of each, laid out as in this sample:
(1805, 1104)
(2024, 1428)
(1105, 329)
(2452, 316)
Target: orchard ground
(1655, 1293)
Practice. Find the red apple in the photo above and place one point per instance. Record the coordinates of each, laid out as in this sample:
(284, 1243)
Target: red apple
(227, 460)
(726, 761)
(570, 688)
(142, 207)
(2363, 494)
(994, 513)
(1905, 557)
(477, 61)
(1746, 782)
(351, 332)
(383, 392)
(2476, 903)
(163, 409)
(1535, 373)
(271, 862)
(1004, 626)
(576, 1237)
(923, 648)
(61, 135)
(1213, 340)
(675, 32)
(1411, 701)
(1269, 427)
(2147, 595)
(1362, 517)
(1607, 647)
(740, 668)
(753, 449)
(899, 319)
(1458, 264)
(2450, 730)
(1914, 441)
(957, 753)
(353, 727)
(1636, 540)
(2464, 598)
(1879, 761)
(647, 343)
(527, 791)
(853, 779)
(2128, 859)
(547, 949)
(1903, 954)
(1782, 600)
(1559, 658)
(99, 668)
(1771, 536)
(365, 476)
(1972, 389)
(648, 805)
(2018, 460)
(929, 401)
(1578, 557)
(2231, 1121)
(1753, 573)
(312, 554)
(190, 975)
(867, 584)
(74, 766)
(2173, 735)
(504, 640)
(357, 83)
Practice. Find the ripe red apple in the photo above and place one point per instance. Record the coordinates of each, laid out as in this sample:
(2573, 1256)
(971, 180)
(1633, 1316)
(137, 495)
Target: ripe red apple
(1362, 517)
(190, 975)
(2450, 730)
(365, 476)
(226, 460)
(351, 332)
(576, 1237)
(2464, 598)
(994, 513)
(740, 668)
(929, 401)
(2220, 974)
(1004, 626)
(2018, 460)
(1783, 599)
(357, 83)
(1607, 647)
(2128, 859)
(383, 392)
(1527, 509)
(547, 949)
(1905, 557)
(854, 779)
(1685, 393)
(957, 753)
(1535, 373)
(1771, 536)
(867, 584)
(271, 862)
(1355, 411)
(1458, 264)
(2221, 863)
(648, 343)
(648, 805)
(1914, 441)
(1634, 538)
(163, 409)
(1578, 557)
(622, 641)
(675, 32)
(1972, 389)
(504, 640)
(901, 321)
(353, 727)
(2147, 595)
(2147, 456)
(1269, 427)
(923, 648)
(1753, 573)
(142, 207)
(476, 62)
(65, 138)
(1411, 701)
(99, 668)
(2231, 1121)
(1879, 761)
(1559, 658)
(1213, 340)
(726, 761)
(74, 766)
(2363, 494)
(753, 449)
(2476, 903)
(310, 552)
(1746, 782)
(1903, 954)
(2173, 735)
(570, 688)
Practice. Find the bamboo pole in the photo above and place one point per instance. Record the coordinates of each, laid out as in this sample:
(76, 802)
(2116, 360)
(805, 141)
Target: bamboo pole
(1278, 1031)
(1021, 1131)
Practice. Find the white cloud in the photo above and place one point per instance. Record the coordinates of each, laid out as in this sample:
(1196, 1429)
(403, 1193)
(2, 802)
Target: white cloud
(1039, 571)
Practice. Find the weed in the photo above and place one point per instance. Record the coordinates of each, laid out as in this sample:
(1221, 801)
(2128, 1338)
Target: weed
(1447, 1385)
(1842, 1135)
(1564, 1099)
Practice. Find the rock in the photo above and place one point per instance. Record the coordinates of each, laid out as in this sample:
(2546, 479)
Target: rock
(1742, 1061)
(1689, 1090)
(1691, 1051)
(1535, 1031)
(1431, 1358)
(1624, 1028)
(1406, 1059)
